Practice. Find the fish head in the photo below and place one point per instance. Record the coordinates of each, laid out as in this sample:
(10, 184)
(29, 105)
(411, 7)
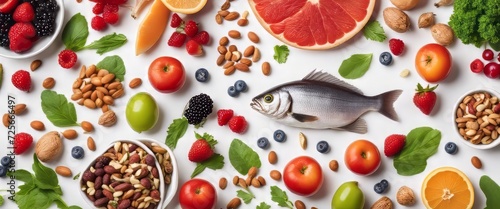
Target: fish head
(273, 103)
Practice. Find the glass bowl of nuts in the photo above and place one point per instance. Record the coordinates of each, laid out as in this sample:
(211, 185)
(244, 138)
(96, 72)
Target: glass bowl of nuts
(476, 118)
(126, 174)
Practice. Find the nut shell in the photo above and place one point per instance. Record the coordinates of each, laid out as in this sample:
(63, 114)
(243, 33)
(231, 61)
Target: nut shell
(396, 19)
(405, 196)
(49, 147)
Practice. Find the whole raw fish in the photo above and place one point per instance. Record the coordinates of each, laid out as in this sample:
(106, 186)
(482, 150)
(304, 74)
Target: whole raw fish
(322, 101)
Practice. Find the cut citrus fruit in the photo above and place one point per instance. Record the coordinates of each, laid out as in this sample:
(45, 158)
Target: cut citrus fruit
(152, 27)
(185, 6)
(446, 188)
(313, 24)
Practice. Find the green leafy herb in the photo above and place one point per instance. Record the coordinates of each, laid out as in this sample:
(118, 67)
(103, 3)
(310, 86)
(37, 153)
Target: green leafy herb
(1, 200)
(279, 196)
(242, 157)
(58, 110)
(355, 66)
(114, 64)
(215, 162)
(108, 43)
(281, 53)
(491, 190)
(175, 131)
(245, 196)
(421, 143)
(374, 31)
(77, 176)
(263, 205)
(207, 137)
(75, 33)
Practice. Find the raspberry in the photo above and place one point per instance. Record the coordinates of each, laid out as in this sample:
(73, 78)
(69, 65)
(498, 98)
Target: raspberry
(113, 8)
(22, 142)
(202, 37)
(20, 37)
(67, 58)
(97, 23)
(393, 144)
(21, 79)
(98, 8)
(397, 46)
(223, 116)
(191, 28)
(177, 39)
(238, 124)
(176, 21)
(110, 17)
(24, 13)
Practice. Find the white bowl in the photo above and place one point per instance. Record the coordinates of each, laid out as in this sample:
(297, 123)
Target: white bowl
(138, 143)
(41, 44)
(454, 116)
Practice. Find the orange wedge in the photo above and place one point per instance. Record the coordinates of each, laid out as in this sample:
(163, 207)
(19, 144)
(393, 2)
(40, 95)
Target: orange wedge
(185, 6)
(446, 188)
(152, 27)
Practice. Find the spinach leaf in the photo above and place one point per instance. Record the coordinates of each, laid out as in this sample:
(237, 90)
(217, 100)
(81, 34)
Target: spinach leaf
(58, 110)
(242, 157)
(491, 190)
(355, 66)
(421, 143)
(114, 64)
(44, 174)
(175, 131)
(75, 33)
(108, 43)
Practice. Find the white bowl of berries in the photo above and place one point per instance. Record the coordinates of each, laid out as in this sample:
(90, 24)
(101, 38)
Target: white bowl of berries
(28, 27)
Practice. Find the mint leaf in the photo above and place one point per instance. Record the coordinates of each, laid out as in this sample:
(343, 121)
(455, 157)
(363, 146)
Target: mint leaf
(245, 196)
(113, 64)
(34, 198)
(421, 143)
(374, 31)
(355, 66)
(215, 162)
(75, 33)
(279, 196)
(175, 131)
(108, 43)
(58, 110)
(491, 190)
(242, 157)
(263, 205)
(281, 53)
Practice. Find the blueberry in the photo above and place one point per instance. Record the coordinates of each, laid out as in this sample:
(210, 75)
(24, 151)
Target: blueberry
(202, 75)
(451, 148)
(5, 161)
(279, 136)
(384, 183)
(232, 91)
(263, 142)
(379, 188)
(322, 147)
(385, 58)
(240, 86)
(77, 152)
(3, 171)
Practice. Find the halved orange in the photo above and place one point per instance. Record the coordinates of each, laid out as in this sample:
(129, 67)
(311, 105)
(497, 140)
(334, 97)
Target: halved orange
(152, 27)
(446, 188)
(185, 6)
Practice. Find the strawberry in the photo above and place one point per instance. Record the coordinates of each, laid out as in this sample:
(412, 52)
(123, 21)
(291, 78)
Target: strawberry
(22, 80)
(6, 6)
(194, 48)
(22, 142)
(425, 99)
(202, 38)
(394, 144)
(177, 39)
(224, 115)
(191, 28)
(200, 151)
(397, 46)
(176, 21)
(238, 124)
(24, 13)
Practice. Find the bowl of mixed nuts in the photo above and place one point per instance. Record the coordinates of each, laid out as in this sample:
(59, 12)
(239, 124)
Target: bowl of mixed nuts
(126, 175)
(476, 117)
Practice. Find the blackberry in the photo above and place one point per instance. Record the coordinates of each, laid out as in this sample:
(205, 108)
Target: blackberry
(6, 21)
(199, 107)
(45, 17)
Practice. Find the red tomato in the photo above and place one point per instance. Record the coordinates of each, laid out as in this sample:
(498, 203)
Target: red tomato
(433, 62)
(166, 74)
(197, 194)
(362, 157)
(303, 176)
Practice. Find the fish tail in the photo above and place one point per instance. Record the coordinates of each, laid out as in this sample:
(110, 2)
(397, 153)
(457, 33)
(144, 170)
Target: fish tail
(387, 107)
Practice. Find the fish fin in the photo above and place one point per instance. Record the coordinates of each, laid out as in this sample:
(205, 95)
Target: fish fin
(358, 126)
(329, 78)
(387, 107)
(304, 118)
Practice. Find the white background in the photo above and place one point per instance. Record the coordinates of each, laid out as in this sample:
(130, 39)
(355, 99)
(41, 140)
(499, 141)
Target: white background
(300, 62)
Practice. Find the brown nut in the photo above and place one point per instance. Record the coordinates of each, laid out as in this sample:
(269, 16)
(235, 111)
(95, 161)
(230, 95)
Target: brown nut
(234, 34)
(405, 196)
(222, 183)
(19, 109)
(275, 174)
(87, 126)
(253, 37)
(91, 143)
(272, 157)
(35, 64)
(334, 165)
(383, 203)
(134, 83)
(232, 16)
(396, 19)
(49, 83)
(37, 125)
(70, 134)
(299, 204)
(108, 118)
(234, 203)
(49, 146)
(6, 120)
(476, 162)
(63, 171)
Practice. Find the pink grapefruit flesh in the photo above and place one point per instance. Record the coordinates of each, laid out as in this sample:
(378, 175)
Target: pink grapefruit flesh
(313, 24)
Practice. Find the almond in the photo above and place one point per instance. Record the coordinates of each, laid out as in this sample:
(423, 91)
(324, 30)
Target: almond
(275, 174)
(107, 78)
(252, 172)
(220, 60)
(96, 81)
(333, 165)
(37, 125)
(236, 179)
(266, 68)
(223, 41)
(255, 183)
(90, 71)
(82, 72)
(19, 109)
(228, 64)
(48, 83)
(256, 55)
(253, 37)
(476, 162)
(222, 49)
(232, 16)
(232, 48)
(234, 34)
(272, 157)
(70, 134)
(222, 183)
(87, 126)
(242, 67)
(249, 51)
(223, 13)
(6, 120)
(234, 203)
(225, 5)
(382, 203)
(108, 100)
(89, 103)
(229, 70)
(242, 22)
(91, 143)
(246, 61)
(261, 180)
(35, 64)
(118, 94)
(63, 171)
(299, 204)
(218, 19)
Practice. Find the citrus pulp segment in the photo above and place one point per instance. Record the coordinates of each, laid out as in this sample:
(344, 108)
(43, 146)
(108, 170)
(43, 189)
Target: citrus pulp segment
(185, 6)
(313, 24)
(152, 27)
(446, 188)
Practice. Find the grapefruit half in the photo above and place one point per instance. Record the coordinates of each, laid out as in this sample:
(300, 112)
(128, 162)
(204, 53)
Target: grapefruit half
(313, 24)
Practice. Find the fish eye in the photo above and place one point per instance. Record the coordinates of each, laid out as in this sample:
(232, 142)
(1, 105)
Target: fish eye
(268, 98)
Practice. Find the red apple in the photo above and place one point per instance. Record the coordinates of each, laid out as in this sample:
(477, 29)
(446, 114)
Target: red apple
(197, 194)
(362, 157)
(303, 176)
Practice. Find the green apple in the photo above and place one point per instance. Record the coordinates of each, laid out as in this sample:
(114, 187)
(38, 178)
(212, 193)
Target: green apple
(348, 196)
(142, 112)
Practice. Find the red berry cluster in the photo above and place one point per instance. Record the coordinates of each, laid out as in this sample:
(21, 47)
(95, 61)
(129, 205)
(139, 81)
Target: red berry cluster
(236, 123)
(109, 11)
(491, 69)
(184, 30)
(22, 34)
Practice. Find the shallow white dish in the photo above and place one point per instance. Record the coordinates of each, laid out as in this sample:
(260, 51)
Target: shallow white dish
(41, 44)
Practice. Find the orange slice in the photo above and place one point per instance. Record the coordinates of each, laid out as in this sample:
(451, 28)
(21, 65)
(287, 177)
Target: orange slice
(152, 27)
(446, 188)
(185, 6)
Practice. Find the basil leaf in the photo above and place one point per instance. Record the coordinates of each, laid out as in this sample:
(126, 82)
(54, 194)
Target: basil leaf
(242, 157)
(263, 205)
(281, 53)
(108, 43)
(245, 196)
(421, 143)
(175, 131)
(75, 33)
(215, 162)
(58, 110)
(44, 174)
(355, 66)
(491, 190)
(279, 196)
(22, 175)
(374, 31)
(113, 64)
